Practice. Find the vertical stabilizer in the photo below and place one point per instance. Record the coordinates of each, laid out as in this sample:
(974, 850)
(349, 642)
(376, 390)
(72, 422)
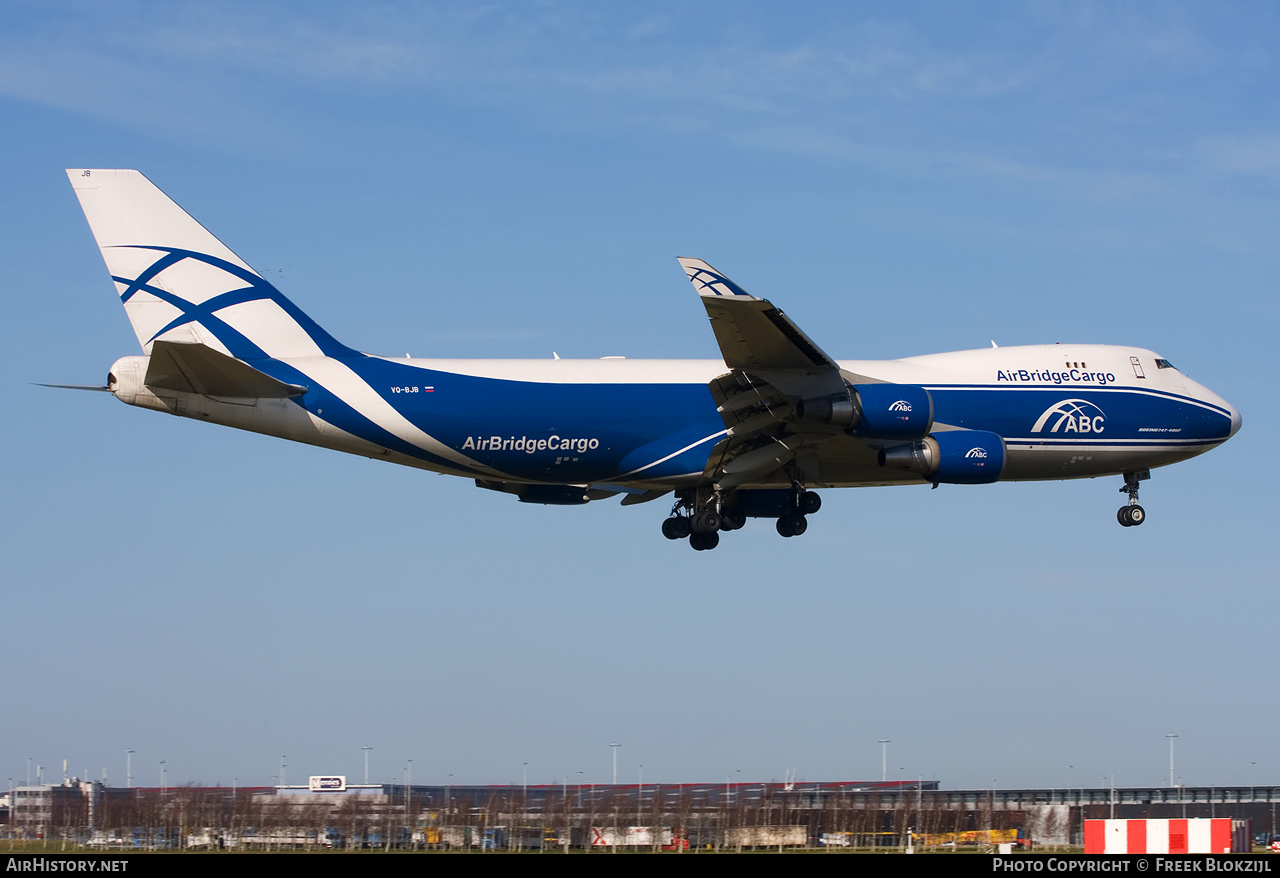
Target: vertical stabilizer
(180, 284)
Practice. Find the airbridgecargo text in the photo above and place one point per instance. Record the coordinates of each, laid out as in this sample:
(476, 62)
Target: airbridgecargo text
(529, 446)
(1077, 376)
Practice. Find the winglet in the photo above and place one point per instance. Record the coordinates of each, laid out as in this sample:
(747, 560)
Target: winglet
(710, 283)
(752, 333)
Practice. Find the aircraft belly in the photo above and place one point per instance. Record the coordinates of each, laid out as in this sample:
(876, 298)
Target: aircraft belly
(1030, 463)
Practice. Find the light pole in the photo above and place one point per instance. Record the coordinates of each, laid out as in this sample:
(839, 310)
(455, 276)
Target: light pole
(1172, 776)
(128, 768)
(884, 758)
(283, 782)
(366, 764)
(615, 762)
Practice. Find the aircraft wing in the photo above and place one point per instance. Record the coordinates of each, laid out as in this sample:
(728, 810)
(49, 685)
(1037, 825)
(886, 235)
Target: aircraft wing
(752, 333)
(774, 367)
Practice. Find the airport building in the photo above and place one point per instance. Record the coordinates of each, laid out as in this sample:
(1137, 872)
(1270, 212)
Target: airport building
(329, 812)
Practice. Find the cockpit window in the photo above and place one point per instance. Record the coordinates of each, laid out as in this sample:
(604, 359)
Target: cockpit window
(1164, 364)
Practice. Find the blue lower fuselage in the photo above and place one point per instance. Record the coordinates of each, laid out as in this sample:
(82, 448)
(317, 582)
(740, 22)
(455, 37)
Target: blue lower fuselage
(575, 432)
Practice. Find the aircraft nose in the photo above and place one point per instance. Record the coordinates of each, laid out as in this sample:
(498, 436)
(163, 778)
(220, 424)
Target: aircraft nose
(1235, 420)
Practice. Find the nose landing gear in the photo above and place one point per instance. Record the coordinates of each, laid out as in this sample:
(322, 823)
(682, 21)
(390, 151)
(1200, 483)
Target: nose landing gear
(1132, 515)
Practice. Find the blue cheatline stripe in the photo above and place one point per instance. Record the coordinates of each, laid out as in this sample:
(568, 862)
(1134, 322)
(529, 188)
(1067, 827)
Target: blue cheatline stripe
(327, 344)
(239, 346)
(151, 271)
(1052, 388)
(204, 311)
(1154, 445)
(348, 419)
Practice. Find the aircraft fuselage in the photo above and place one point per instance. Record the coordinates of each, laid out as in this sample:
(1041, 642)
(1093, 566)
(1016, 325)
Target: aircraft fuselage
(1064, 411)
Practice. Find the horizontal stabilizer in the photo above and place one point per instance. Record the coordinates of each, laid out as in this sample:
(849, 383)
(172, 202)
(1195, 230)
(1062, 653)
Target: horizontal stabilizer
(197, 368)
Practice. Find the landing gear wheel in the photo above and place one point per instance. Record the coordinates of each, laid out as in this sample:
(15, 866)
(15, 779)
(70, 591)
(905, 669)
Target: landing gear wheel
(792, 525)
(731, 521)
(1131, 516)
(809, 503)
(706, 522)
(676, 528)
(702, 542)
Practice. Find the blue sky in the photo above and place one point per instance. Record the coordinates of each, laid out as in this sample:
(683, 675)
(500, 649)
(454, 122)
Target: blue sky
(512, 179)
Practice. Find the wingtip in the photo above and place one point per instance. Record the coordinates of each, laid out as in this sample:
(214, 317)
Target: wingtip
(710, 283)
(692, 264)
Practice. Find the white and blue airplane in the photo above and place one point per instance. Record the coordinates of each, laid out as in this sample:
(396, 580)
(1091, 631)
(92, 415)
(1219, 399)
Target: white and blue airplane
(749, 435)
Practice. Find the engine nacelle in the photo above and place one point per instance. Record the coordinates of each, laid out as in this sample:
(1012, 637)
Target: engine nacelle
(894, 411)
(874, 411)
(956, 457)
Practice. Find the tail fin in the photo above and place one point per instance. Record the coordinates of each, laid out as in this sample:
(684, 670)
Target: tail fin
(180, 284)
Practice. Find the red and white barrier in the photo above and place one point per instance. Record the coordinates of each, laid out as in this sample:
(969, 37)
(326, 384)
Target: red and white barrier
(1194, 836)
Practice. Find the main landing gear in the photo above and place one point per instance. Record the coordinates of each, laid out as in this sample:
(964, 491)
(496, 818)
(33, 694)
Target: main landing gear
(792, 522)
(1132, 515)
(700, 516)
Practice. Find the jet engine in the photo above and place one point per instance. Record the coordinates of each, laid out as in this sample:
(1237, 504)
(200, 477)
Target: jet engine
(874, 411)
(955, 457)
